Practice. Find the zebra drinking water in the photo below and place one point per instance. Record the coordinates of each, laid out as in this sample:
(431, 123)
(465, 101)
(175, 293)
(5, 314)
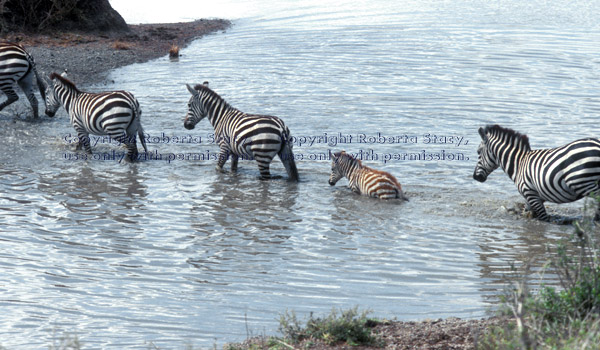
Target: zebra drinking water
(250, 136)
(113, 113)
(18, 67)
(362, 179)
(558, 175)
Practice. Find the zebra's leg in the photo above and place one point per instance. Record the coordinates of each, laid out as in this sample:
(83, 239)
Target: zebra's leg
(132, 151)
(536, 205)
(223, 155)
(84, 140)
(26, 84)
(595, 196)
(264, 162)
(130, 142)
(354, 187)
(11, 96)
(263, 168)
(234, 162)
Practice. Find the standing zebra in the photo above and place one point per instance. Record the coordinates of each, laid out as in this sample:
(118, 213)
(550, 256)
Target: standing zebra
(558, 175)
(239, 134)
(113, 113)
(362, 179)
(17, 66)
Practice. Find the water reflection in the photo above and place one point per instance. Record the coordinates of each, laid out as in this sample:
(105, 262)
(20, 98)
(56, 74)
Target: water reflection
(242, 214)
(91, 194)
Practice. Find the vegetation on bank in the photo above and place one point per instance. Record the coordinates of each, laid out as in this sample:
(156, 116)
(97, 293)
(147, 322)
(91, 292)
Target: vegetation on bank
(567, 317)
(348, 327)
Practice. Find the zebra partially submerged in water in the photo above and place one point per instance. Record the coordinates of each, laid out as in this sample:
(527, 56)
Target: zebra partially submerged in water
(558, 175)
(18, 67)
(250, 136)
(113, 113)
(362, 179)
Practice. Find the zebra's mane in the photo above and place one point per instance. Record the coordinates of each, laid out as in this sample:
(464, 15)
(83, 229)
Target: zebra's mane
(69, 84)
(522, 139)
(202, 88)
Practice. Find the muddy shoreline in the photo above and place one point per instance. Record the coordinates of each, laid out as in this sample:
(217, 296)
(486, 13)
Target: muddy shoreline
(441, 334)
(90, 57)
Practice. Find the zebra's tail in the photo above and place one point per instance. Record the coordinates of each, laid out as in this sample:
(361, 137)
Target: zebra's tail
(140, 130)
(40, 82)
(287, 158)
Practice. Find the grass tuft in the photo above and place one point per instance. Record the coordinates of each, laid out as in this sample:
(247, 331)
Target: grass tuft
(350, 327)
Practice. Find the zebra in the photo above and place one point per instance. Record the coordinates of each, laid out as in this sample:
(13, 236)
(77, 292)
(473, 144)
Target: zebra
(362, 179)
(559, 175)
(17, 66)
(113, 113)
(238, 134)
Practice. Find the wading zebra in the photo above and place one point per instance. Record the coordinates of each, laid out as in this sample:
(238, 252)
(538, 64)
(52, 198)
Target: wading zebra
(558, 175)
(362, 179)
(113, 113)
(250, 136)
(17, 66)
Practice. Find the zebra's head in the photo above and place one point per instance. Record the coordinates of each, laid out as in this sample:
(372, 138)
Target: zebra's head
(487, 159)
(196, 108)
(336, 172)
(52, 101)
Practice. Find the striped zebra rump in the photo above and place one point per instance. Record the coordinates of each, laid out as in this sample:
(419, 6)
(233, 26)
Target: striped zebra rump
(18, 67)
(114, 113)
(256, 137)
(375, 183)
(363, 179)
(242, 135)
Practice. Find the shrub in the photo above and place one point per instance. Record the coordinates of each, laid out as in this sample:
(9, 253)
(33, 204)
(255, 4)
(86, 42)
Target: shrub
(349, 326)
(567, 317)
(41, 15)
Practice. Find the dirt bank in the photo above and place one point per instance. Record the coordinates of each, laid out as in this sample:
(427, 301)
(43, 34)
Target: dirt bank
(89, 57)
(441, 334)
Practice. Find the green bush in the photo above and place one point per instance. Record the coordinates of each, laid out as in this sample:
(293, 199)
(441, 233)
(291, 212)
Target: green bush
(349, 326)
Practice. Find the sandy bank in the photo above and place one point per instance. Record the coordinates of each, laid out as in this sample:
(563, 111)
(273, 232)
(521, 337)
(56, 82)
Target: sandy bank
(89, 57)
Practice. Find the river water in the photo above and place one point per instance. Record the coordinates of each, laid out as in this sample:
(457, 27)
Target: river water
(169, 252)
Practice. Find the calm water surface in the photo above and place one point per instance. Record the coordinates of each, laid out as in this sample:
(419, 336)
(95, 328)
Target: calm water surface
(171, 252)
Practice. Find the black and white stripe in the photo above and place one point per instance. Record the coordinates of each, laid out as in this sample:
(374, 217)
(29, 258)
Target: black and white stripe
(113, 113)
(558, 175)
(249, 136)
(18, 67)
(362, 179)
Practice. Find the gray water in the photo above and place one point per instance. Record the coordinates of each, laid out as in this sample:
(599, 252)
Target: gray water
(168, 251)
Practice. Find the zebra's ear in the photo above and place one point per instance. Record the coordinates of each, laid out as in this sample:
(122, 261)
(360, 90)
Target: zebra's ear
(48, 81)
(482, 133)
(64, 74)
(191, 89)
